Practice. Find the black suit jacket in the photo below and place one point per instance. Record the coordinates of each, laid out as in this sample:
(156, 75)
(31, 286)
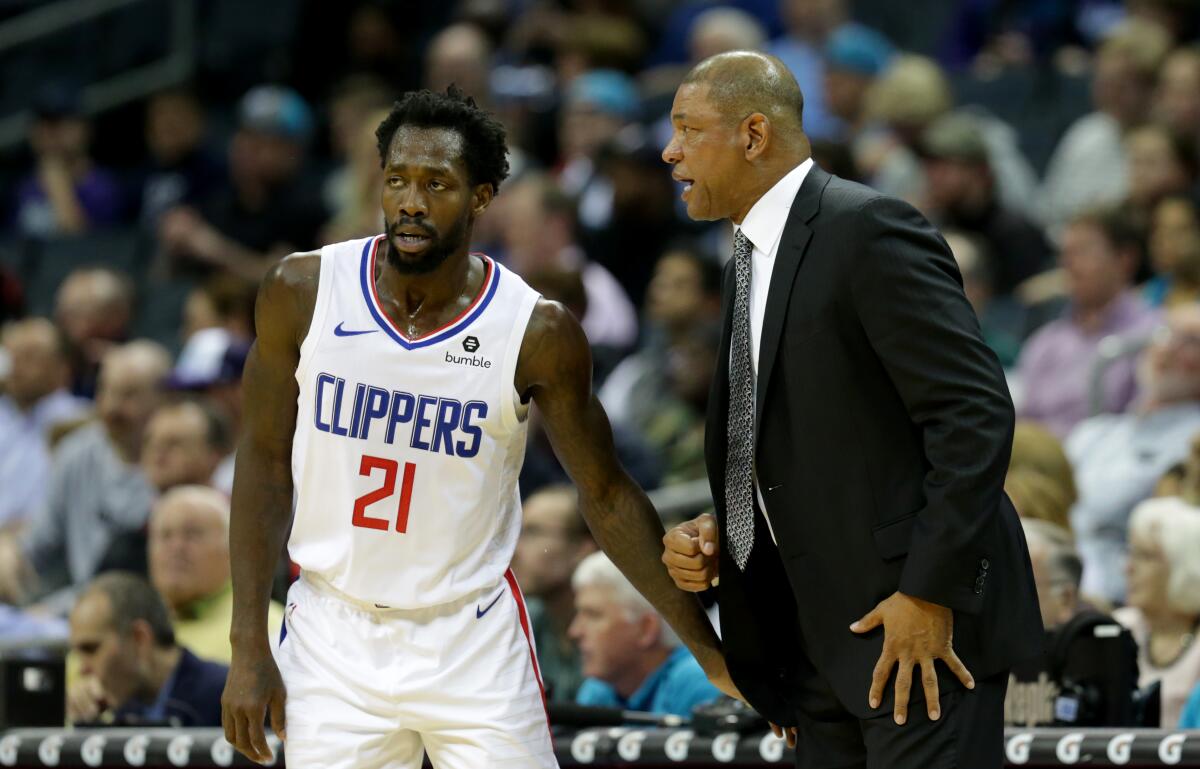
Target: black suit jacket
(884, 428)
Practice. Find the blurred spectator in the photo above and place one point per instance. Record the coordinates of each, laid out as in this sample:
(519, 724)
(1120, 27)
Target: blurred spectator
(184, 444)
(1037, 498)
(223, 301)
(1177, 100)
(1163, 610)
(854, 57)
(359, 211)
(597, 105)
(538, 232)
(1174, 253)
(1190, 717)
(180, 171)
(98, 499)
(810, 25)
(675, 429)
(1001, 318)
(133, 673)
(961, 194)
(188, 555)
(598, 38)
(1160, 164)
(1088, 167)
(554, 539)
(94, 308)
(1056, 571)
(1100, 254)
(33, 401)
(269, 211)
(632, 659)
(66, 193)
(460, 54)
(684, 293)
(1037, 450)
(722, 28)
(354, 113)
(1118, 458)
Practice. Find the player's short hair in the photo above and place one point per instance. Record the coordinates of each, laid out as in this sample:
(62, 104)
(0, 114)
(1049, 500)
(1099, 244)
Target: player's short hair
(132, 598)
(596, 570)
(485, 150)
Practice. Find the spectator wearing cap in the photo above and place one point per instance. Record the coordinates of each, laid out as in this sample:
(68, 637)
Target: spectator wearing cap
(961, 194)
(1163, 602)
(597, 105)
(99, 499)
(854, 58)
(66, 193)
(1119, 458)
(35, 400)
(210, 366)
(133, 672)
(1099, 257)
(1088, 167)
(631, 658)
(810, 25)
(180, 171)
(188, 555)
(269, 210)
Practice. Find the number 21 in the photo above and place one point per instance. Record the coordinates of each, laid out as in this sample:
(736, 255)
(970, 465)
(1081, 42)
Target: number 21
(390, 468)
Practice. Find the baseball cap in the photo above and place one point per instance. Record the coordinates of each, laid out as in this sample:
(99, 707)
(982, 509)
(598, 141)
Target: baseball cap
(954, 137)
(211, 356)
(276, 110)
(607, 90)
(859, 50)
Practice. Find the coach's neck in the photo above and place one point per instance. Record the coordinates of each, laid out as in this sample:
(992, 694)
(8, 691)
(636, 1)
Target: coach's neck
(764, 172)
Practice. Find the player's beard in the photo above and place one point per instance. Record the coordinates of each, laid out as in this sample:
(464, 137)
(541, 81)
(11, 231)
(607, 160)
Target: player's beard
(439, 250)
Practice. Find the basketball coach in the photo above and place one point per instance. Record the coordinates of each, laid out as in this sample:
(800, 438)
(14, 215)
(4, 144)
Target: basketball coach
(872, 577)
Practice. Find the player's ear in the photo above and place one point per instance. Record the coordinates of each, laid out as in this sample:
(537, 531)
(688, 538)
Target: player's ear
(481, 197)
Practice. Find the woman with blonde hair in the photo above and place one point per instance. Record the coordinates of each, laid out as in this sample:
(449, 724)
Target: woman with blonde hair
(1163, 598)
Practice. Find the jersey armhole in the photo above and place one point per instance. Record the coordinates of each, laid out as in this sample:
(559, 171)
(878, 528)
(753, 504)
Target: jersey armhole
(320, 310)
(512, 410)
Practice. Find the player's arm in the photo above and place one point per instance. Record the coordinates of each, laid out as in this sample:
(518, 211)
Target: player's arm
(555, 368)
(262, 498)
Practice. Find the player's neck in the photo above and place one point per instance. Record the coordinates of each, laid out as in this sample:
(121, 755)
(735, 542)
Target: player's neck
(422, 294)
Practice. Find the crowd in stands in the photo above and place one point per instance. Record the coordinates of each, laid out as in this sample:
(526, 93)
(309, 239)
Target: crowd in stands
(1055, 144)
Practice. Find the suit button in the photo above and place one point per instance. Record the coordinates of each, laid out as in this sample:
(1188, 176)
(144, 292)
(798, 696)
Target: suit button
(978, 590)
(983, 564)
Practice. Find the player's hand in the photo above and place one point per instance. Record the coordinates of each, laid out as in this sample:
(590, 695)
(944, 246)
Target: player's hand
(253, 688)
(915, 632)
(690, 553)
(785, 732)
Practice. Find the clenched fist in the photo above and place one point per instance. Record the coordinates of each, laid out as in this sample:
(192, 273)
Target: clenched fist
(690, 553)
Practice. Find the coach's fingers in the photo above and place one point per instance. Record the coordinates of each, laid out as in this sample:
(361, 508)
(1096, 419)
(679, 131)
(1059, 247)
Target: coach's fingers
(696, 562)
(682, 540)
(879, 677)
(903, 686)
(958, 669)
(929, 682)
(709, 535)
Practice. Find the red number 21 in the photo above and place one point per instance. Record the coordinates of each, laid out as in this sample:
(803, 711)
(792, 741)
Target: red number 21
(390, 467)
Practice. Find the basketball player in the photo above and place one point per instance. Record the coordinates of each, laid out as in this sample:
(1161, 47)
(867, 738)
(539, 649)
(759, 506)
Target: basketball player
(388, 389)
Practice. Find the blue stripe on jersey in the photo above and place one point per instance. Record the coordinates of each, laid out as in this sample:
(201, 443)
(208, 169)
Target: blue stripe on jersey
(392, 332)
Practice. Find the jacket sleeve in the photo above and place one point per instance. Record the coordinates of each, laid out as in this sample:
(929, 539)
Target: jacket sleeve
(907, 293)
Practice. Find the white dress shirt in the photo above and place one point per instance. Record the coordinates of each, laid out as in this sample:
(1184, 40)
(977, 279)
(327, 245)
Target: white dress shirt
(763, 227)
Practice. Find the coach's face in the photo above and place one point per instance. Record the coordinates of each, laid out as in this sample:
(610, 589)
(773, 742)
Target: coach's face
(429, 202)
(708, 152)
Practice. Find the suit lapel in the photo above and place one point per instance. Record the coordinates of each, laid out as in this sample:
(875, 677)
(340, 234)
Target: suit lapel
(792, 247)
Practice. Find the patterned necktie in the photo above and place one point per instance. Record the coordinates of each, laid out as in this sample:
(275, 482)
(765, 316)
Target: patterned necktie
(739, 453)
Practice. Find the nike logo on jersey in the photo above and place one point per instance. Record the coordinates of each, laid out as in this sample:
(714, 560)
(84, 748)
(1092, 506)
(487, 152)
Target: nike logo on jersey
(480, 612)
(339, 331)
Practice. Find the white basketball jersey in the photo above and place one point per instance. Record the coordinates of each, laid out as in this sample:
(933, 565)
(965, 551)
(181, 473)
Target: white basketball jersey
(407, 451)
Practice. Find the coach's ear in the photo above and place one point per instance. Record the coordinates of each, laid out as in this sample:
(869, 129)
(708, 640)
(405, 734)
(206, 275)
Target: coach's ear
(481, 197)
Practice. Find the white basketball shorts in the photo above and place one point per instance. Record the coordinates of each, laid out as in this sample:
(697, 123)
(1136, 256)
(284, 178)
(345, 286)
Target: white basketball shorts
(370, 687)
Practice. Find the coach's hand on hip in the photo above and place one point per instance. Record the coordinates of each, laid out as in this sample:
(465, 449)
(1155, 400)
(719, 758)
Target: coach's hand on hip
(915, 632)
(690, 553)
(253, 688)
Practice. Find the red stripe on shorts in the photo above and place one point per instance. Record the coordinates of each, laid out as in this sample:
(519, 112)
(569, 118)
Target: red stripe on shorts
(537, 671)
